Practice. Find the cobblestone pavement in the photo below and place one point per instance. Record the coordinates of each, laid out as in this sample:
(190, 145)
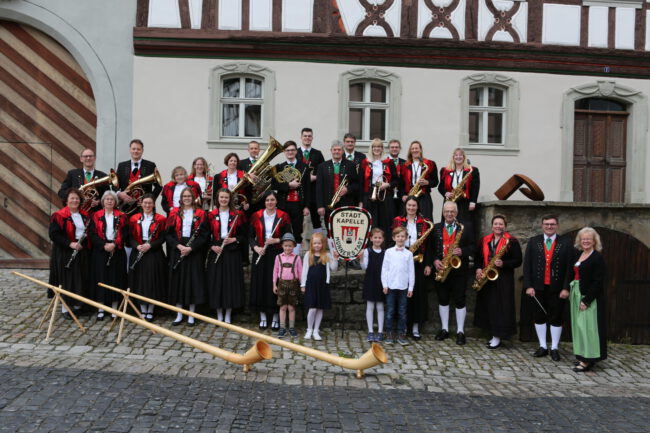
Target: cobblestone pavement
(84, 381)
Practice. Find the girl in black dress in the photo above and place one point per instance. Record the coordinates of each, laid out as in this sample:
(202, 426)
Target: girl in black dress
(373, 293)
(186, 235)
(148, 266)
(318, 264)
(67, 232)
(495, 303)
(108, 234)
(266, 228)
(225, 279)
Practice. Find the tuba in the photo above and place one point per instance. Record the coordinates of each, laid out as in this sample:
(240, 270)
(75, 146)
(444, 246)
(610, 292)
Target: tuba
(416, 245)
(417, 191)
(450, 261)
(491, 272)
(89, 190)
(261, 170)
(135, 191)
(459, 192)
(337, 195)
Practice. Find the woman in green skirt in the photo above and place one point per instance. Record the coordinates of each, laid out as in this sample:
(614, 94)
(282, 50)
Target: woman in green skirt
(588, 301)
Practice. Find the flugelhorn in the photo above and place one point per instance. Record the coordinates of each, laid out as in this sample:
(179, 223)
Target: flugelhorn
(337, 195)
(89, 190)
(378, 194)
(135, 191)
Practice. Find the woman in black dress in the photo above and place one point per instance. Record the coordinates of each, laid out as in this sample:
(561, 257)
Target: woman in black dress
(379, 177)
(451, 176)
(588, 303)
(422, 171)
(266, 228)
(148, 265)
(68, 234)
(495, 302)
(225, 279)
(416, 226)
(186, 236)
(108, 234)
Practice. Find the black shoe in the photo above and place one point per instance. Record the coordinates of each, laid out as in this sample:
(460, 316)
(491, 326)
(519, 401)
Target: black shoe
(66, 316)
(460, 339)
(177, 322)
(275, 326)
(493, 347)
(580, 368)
(100, 316)
(555, 355)
(149, 317)
(576, 362)
(263, 324)
(416, 336)
(190, 324)
(443, 334)
(540, 352)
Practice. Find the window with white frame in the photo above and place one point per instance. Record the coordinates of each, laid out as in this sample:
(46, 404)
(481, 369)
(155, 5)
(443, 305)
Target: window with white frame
(489, 113)
(369, 104)
(242, 98)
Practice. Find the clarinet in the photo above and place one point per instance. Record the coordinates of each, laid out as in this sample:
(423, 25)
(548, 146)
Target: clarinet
(259, 257)
(224, 240)
(81, 239)
(110, 256)
(189, 244)
(141, 253)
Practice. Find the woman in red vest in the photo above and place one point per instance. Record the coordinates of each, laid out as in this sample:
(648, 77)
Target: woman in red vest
(171, 193)
(456, 172)
(422, 171)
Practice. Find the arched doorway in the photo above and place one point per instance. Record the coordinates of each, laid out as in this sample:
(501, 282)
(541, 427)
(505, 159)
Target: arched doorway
(47, 116)
(599, 150)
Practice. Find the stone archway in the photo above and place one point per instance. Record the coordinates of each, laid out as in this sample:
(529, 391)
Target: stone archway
(637, 128)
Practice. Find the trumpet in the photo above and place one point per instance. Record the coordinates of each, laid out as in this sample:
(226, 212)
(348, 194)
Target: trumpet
(135, 191)
(417, 190)
(338, 194)
(89, 190)
(379, 194)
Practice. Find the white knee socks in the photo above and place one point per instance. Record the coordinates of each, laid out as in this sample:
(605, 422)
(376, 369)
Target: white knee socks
(318, 319)
(179, 316)
(556, 333)
(541, 334)
(444, 316)
(190, 319)
(220, 314)
(228, 312)
(460, 319)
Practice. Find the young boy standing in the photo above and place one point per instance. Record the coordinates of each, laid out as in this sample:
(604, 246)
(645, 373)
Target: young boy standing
(286, 284)
(398, 280)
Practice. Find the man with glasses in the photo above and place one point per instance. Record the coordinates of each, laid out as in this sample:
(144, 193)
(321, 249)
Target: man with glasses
(293, 196)
(546, 284)
(313, 158)
(81, 176)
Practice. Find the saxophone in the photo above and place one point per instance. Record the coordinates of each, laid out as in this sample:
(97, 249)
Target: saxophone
(417, 191)
(450, 261)
(459, 192)
(491, 272)
(416, 245)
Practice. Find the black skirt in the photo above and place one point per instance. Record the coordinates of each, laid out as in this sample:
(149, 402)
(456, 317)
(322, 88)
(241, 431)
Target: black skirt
(149, 277)
(262, 297)
(74, 279)
(225, 280)
(418, 304)
(495, 306)
(186, 282)
(112, 275)
(382, 212)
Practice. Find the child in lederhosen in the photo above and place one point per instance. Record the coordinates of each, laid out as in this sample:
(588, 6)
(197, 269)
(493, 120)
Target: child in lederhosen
(286, 284)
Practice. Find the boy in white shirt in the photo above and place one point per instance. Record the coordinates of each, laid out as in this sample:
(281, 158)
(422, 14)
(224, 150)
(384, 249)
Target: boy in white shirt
(398, 280)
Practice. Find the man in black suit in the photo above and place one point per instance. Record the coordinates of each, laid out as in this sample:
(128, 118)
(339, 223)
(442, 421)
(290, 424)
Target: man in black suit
(134, 169)
(313, 158)
(329, 176)
(245, 165)
(546, 280)
(253, 152)
(293, 196)
(444, 237)
(81, 176)
(394, 149)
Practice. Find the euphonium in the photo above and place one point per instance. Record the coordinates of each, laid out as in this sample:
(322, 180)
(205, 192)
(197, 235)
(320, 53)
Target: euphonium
(417, 191)
(337, 195)
(491, 272)
(260, 170)
(287, 174)
(135, 190)
(89, 190)
(416, 245)
(450, 261)
(459, 192)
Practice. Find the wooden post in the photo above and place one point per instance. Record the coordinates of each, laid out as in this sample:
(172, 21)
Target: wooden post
(49, 307)
(49, 328)
(125, 301)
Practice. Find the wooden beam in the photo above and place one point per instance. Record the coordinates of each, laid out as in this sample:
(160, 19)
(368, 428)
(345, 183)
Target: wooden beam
(142, 14)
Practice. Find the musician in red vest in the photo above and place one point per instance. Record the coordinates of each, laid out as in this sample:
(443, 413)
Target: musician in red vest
(456, 172)
(172, 190)
(419, 170)
(378, 178)
(547, 274)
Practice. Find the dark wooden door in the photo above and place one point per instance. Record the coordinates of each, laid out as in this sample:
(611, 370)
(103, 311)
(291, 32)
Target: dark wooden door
(599, 156)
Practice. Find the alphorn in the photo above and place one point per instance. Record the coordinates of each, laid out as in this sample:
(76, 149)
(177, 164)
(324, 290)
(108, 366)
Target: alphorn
(374, 356)
(261, 350)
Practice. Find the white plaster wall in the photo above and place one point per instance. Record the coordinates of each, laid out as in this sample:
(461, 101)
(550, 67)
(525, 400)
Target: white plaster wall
(99, 34)
(173, 117)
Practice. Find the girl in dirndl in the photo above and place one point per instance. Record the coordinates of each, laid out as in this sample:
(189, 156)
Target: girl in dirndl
(372, 259)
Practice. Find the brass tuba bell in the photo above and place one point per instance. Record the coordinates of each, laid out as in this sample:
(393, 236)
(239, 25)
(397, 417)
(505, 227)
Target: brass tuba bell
(89, 190)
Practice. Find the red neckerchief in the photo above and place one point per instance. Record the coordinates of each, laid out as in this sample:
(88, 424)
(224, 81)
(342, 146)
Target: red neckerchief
(486, 245)
(215, 222)
(447, 176)
(119, 220)
(158, 224)
(63, 218)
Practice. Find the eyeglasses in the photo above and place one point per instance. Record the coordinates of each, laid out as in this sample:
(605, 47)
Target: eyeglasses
(549, 224)
(87, 156)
